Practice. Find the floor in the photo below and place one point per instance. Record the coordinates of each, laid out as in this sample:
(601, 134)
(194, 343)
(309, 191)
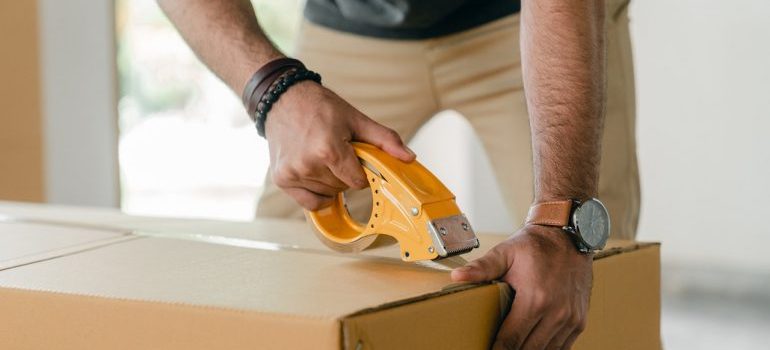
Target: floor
(715, 309)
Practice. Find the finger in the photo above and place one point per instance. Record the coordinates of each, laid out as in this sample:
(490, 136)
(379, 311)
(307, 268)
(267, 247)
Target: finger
(315, 177)
(348, 169)
(562, 320)
(491, 266)
(318, 186)
(309, 200)
(560, 339)
(541, 335)
(315, 186)
(369, 131)
(514, 329)
(571, 340)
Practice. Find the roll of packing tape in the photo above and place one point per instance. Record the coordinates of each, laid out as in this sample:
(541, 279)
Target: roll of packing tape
(353, 247)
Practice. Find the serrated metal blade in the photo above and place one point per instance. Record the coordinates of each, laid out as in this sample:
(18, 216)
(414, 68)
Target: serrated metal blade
(445, 264)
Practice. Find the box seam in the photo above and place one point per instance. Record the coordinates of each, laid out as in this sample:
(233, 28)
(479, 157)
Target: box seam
(75, 249)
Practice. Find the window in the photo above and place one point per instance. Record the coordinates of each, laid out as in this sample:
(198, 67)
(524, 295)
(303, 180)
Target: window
(186, 146)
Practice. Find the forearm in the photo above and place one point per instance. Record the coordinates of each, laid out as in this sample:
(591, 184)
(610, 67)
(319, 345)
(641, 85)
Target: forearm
(225, 35)
(563, 62)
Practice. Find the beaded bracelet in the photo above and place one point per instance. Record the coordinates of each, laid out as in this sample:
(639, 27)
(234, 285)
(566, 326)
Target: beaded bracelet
(275, 91)
(262, 78)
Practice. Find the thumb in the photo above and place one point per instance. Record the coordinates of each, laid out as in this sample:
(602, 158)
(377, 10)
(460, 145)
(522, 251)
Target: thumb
(493, 265)
(386, 139)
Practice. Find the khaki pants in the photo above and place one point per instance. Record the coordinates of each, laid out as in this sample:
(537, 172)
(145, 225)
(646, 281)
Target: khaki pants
(402, 84)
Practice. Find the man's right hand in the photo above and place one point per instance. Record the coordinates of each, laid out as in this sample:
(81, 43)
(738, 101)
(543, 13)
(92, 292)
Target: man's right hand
(309, 131)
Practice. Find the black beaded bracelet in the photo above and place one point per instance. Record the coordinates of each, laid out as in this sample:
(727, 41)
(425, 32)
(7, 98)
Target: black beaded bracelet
(275, 91)
(263, 78)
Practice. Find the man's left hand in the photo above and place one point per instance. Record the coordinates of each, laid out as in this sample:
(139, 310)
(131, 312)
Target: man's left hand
(552, 283)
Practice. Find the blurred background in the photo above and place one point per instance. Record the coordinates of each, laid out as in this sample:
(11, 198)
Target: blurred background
(105, 105)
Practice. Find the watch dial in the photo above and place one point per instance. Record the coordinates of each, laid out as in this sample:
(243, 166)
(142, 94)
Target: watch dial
(593, 223)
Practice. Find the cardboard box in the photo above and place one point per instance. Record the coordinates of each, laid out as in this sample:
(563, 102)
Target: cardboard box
(82, 281)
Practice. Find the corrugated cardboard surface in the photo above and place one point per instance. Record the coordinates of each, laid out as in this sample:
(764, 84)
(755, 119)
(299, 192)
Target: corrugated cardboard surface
(625, 302)
(186, 291)
(24, 243)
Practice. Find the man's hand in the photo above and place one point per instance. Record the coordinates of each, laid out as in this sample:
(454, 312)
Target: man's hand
(552, 283)
(309, 131)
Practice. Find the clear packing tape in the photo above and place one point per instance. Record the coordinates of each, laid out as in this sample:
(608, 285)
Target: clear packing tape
(444, 264)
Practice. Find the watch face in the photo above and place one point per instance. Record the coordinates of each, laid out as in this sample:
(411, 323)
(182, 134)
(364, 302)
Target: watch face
(593, 223)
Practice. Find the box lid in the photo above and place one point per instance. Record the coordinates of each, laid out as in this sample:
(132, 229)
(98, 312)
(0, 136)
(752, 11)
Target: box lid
(272, 275)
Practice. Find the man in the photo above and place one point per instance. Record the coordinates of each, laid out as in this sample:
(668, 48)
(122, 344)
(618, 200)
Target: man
(396, 63)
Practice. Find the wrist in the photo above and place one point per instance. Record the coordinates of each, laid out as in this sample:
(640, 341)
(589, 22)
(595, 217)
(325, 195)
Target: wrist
(553, 240)
(247, 69)
(585, 221)
(282, 85)
(551, 234)
(262, 79)
(299, 93)
(551, 196)
(292, 109)
(267, 85)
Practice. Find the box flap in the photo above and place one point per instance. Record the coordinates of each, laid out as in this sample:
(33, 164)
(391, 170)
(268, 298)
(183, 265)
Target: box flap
(180, 271)
(24, 243)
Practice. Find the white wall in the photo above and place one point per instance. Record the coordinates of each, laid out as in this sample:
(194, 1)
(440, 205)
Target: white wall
(79, 101)
(703, 86)
(703, 79)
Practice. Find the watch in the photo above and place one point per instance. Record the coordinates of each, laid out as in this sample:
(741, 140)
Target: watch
(586, 222)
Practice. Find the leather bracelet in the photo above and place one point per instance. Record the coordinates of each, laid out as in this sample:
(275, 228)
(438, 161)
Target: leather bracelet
(263, 87)
(283, 83)
(269, 69)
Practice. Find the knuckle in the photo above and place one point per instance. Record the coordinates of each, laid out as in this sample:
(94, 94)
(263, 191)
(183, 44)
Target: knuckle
(319, 203)
(303, 170)
(358, 181)
(581, 326)
(392, 134)
(280, 181)
(282, 176)
(564, 316)
(328, 155)
(575, 320)
(312, 204)
(539, 300)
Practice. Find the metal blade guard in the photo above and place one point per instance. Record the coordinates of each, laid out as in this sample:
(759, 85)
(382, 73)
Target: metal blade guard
(409, 204)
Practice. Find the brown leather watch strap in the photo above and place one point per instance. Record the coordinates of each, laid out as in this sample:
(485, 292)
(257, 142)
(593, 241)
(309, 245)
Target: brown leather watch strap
(554, 213)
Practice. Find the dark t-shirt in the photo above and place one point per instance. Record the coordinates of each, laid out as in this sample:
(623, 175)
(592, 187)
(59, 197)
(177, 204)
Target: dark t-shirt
(407, 19)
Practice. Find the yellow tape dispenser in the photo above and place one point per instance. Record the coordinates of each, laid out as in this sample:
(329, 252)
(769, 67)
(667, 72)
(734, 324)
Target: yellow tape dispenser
(409, 204)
